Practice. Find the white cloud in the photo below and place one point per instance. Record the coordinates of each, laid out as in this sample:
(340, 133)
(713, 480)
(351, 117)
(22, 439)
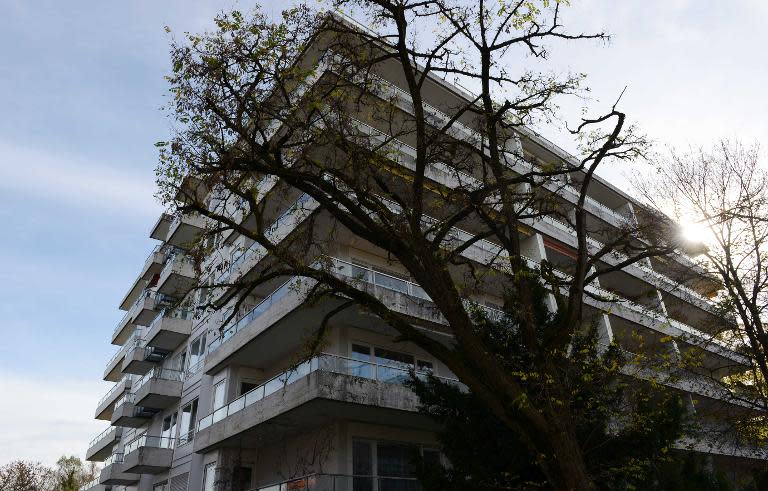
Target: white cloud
(70, 181)
(43, 419)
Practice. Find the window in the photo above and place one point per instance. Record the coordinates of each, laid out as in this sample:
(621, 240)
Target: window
(218, 395)
(247, 387)
(394, 367)
(385, 365)
(187, 423)
(169, 431)
(363, 354)
(241, 477)
(388, 466)
(362, 465)
(197, 350)
(209, 477)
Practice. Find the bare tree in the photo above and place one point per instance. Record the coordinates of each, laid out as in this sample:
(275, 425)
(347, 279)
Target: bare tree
(26, 476)
(723, 191)
(318, 111)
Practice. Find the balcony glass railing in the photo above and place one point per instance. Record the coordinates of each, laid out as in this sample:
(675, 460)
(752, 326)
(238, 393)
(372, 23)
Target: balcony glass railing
(102, 435)
(325, 363)
(342, 482)
(254, 313)
(377, 278)
(90, 484)
(176, 258)
(256, 249)
(145, 440)
(115, 458)
(158, 373)
(161, 300)
(172, 313)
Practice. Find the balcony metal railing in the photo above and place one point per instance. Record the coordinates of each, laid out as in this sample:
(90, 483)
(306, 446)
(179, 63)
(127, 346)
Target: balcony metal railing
(123, 320)
(193, 369)
(344, 482)
(158, 373)
(120, 351)
(325, 363)
(114, 389)
(187, 437)
(145, 440)
(101, 435)
(255, 312)
(128, 397)
(115, 458)
(161, 299)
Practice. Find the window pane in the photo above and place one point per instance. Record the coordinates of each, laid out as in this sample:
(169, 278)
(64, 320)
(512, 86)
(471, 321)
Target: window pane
(394, 366)
(218, 395)
(394, 460)
(363, 369)
(209, 477)
(362, 465)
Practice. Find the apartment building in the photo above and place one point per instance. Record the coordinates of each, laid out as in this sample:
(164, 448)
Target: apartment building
(199, 404)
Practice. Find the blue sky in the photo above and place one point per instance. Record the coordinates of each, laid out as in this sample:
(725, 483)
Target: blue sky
(81, 84)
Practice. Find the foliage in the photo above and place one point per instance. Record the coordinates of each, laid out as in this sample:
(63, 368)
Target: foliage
(626, 429)
(25, 476)
(69, 474)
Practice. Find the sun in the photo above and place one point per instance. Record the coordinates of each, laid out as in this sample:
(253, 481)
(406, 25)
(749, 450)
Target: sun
(695, 232)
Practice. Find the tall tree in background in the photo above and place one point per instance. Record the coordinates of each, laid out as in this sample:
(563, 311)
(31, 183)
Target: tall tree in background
(723, 191)
(21, 475)
(302, 109)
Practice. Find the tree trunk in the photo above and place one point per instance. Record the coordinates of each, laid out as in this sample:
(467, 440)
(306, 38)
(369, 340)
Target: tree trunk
(565, 468)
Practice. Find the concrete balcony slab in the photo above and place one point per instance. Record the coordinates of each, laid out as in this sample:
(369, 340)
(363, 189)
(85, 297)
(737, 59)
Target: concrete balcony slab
(168, 333)
(130, 416)
(101, 447)
(105, 406)
(113, 474)
(185, 230)
(159, 390)
(148, 460)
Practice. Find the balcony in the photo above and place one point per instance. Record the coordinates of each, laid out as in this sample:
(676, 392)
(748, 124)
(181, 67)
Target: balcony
(113, 372)
(177, 276)
(112, 473)
(148, 305)
(123, 329)
(342, 482)
(92, 485)
(152, 265)
(148, 454)
(101, 446)
(106, 404)
(185, 230)
(160, 228)
(159, 388)
(169, 329)
(320, 386)
(128, 414)
(139, 359)
(142, 313)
